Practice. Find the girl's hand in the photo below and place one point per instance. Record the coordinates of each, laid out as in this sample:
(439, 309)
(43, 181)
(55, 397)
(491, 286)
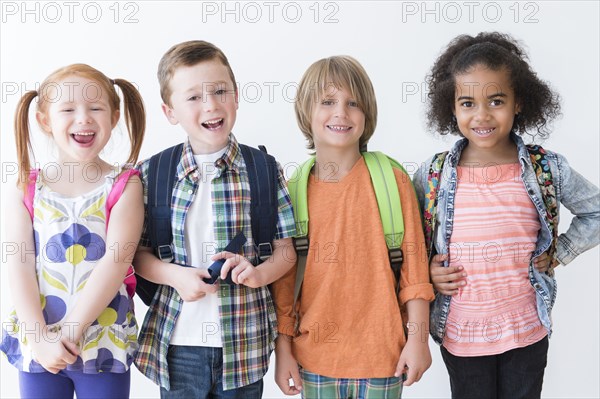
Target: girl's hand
(71, 336)
(446, 280)
(242, 271)
(52, 353)
(544, 263)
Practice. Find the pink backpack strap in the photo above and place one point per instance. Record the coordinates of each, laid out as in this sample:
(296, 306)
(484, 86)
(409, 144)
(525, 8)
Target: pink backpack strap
(113, 196)
(30, 192)
(117, 190)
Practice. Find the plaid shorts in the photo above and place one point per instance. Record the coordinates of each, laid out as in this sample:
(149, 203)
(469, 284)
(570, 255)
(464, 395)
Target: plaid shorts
(315, 386)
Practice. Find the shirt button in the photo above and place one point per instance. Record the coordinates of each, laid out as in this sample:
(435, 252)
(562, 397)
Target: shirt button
(190, 192)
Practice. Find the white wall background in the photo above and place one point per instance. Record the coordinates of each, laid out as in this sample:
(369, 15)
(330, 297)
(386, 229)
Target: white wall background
(269, 45)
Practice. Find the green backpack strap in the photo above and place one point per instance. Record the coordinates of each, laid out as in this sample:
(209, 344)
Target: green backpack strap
(431, 199)
(390, 209)
(298, 189)
(543, 174)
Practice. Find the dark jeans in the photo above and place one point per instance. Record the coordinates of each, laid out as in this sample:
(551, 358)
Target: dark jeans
(197, 372)
(516, 374)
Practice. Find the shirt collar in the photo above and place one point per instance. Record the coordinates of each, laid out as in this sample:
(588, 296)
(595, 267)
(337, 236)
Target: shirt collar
(231, 159)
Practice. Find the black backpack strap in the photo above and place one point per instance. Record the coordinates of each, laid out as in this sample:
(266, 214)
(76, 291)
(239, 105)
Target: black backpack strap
(161, 180)
(263, 178)
(162, 174)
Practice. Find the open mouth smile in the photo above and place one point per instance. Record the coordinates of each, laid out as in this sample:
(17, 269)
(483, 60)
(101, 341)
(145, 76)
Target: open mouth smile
(339, 129)
(85, 137)
(213, 124)
(483, 132)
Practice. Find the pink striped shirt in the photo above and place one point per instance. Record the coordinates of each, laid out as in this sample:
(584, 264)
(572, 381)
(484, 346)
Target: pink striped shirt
(493, 237)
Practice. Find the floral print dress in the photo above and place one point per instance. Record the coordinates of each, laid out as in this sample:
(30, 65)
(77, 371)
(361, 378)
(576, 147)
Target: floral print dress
(70, 234)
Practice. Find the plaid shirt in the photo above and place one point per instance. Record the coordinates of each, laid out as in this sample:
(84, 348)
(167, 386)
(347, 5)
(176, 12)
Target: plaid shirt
(248, 321)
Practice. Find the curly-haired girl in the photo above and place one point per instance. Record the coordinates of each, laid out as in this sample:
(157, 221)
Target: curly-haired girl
(491, 211)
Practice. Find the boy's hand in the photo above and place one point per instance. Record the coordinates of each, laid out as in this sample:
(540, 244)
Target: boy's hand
(286, 368)
(52, 354)
(415, 359)
(242, 271)
(446, 280)
(544, 263)
(188, 281)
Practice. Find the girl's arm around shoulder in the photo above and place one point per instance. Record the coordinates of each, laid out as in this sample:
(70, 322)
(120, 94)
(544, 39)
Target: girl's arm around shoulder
(582, 199)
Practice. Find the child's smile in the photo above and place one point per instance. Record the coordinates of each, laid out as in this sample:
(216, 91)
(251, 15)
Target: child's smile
(485, 107)
(213, 124)
(84, 137)
(204, 102)
(80, 123)
(337, 120)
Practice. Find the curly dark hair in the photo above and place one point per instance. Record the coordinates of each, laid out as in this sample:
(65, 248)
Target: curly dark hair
(538, 102)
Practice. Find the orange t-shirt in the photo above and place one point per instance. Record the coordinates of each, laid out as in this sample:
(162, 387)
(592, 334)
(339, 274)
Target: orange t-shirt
(351, 325)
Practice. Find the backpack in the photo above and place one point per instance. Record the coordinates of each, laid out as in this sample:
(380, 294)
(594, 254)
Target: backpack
(380, 168)
(543, 174)
(111, 200)
(263, 178)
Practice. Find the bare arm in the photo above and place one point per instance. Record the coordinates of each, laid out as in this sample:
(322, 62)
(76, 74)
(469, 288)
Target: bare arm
(187, 281)
(415, 358)
(286, 366)
(243, 272)
(25, 293)
(446, 280)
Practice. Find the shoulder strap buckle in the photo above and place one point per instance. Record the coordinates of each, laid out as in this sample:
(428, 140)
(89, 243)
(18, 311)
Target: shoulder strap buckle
(164, 253)
(265, 250)
(396, 256)
(301, 245)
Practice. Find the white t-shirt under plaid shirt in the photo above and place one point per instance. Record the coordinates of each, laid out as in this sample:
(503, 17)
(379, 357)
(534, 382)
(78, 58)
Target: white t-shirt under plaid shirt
(248, 321)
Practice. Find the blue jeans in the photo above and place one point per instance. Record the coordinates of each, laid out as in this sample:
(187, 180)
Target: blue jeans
(62, 385)
(197, 372)
(516, 374)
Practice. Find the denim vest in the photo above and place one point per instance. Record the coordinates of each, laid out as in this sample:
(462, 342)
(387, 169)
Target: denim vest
(573, 191)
